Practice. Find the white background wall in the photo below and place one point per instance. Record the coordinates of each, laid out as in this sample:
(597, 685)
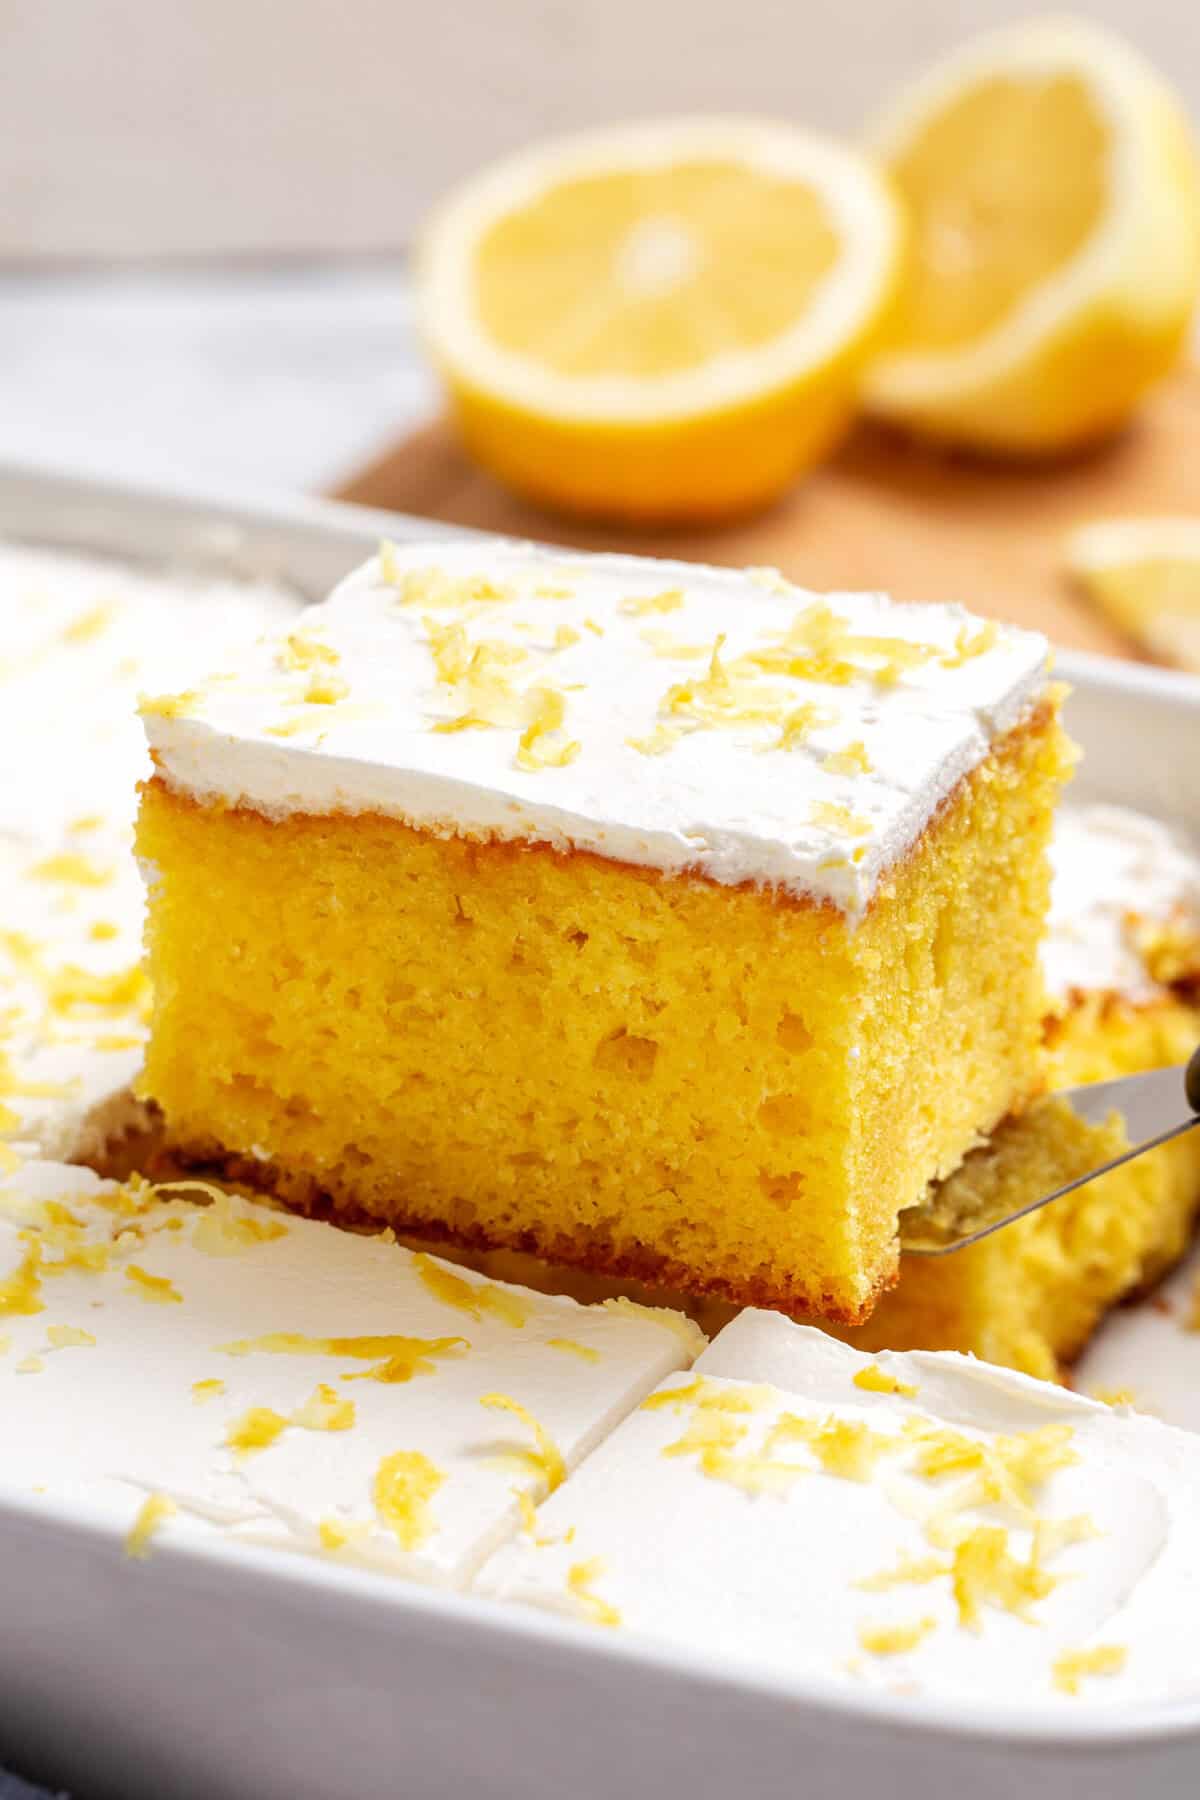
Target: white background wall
(150, 128)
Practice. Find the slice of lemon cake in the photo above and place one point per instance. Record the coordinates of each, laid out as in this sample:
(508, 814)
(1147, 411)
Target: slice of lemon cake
(658, 919)
(1122, 962)
(922, 1524)
(221, 1372)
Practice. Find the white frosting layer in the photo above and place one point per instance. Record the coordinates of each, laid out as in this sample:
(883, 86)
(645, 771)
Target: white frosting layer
(768, 1568)
(813, 769)
(103, 1424)
(72, 996)
(79, 639)
(1118, 876)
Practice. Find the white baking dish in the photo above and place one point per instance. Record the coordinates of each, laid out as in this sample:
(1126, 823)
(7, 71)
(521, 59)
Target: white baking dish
(238, 1672)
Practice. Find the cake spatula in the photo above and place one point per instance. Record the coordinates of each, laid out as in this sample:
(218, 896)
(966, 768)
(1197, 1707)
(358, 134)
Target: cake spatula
(1155, 1107)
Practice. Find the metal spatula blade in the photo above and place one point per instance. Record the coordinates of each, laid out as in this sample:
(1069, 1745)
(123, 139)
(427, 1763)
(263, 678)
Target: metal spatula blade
(1156, 1107)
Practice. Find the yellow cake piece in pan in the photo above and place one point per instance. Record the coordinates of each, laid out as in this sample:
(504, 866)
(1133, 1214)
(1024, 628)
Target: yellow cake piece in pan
(1122, 962)
(663, 921)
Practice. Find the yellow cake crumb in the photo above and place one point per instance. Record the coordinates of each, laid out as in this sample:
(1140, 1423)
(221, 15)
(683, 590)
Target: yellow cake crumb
(153, 1513)
(581, 1579)
(1073, 1665)
(404, 1486)
(893, 1640)
(545, 1462)
(30, 1365)
(207, 1390)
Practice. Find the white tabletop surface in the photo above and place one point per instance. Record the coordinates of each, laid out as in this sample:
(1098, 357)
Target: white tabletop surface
(279, 378)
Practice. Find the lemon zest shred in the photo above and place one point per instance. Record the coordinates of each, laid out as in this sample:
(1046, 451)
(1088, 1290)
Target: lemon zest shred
(545, 1462)
(159, 1290)
(894, 1640)
(403, 1489)
(581, 1577)
(153, 1513)
(395, 1358)
(476, 1299)
(637, 607)
(585, 1352)
(874, 1380)
(1073, 1665)
(168, 706)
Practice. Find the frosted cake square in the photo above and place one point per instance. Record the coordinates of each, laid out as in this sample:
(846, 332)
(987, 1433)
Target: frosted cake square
(660, 920)
(202, 1366)
(923, 1524)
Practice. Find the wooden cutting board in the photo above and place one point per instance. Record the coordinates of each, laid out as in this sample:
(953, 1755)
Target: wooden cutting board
(884, 514)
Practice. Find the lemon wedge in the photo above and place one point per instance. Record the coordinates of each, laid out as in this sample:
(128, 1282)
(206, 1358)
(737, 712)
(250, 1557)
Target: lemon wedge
(1054, 201)
(661, 322)
(1144, 574)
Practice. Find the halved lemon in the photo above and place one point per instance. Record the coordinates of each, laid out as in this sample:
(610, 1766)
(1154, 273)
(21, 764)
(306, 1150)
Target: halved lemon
(1054, 263)
(1144, 574)
(660, 322)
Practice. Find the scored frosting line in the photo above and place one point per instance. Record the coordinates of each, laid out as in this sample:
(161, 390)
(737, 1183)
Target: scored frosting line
(772, 737)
